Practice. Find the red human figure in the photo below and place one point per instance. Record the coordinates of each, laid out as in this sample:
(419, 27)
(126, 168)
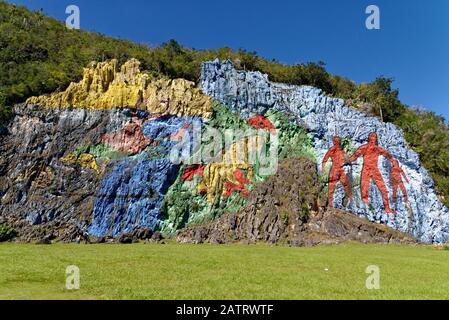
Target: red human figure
(337, 173)
(396, 175)
(371, 152)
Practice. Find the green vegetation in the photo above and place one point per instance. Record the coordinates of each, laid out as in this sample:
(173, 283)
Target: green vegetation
(6, 233)
(428, 135)
(99, 151)
(184, 205)
(174, 271)
(293, 139)
(39, 55)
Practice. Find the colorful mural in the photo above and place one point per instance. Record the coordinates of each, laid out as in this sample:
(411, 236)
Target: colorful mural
(370, 171)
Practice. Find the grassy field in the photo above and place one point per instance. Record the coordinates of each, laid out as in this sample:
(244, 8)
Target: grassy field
(174, 271)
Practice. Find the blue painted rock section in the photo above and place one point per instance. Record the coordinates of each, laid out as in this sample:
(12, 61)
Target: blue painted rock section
(131, 193)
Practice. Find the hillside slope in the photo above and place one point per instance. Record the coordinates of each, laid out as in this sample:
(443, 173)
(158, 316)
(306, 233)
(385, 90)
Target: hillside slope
(95, 154)
(39, 55)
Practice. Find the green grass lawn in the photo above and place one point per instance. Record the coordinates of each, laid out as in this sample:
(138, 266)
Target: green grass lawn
(174, 271)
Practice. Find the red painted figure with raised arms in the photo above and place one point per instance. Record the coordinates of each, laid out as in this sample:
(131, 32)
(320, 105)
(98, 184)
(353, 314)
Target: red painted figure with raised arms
(371, 152)
(337, 172)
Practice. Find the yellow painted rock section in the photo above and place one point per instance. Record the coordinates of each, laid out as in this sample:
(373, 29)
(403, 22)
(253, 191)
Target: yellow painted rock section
(104, 86)
(178, 97)
(85, 160)
(237, 156)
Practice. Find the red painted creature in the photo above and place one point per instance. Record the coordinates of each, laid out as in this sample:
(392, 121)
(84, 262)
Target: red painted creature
(260, 122)
(337, 172)
(179, 135)
(190, 171)
(371, 152)
(396, 175)
(239, 187)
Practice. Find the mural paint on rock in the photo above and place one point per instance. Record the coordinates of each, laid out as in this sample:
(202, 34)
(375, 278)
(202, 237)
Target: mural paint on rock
(107, 85)
(129, 139)
(131, 193)
(204, 192)
(251, 93)
(337, 172)
(370, 171)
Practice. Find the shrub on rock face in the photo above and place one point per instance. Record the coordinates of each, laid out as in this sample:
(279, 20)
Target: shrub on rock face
(6, 233)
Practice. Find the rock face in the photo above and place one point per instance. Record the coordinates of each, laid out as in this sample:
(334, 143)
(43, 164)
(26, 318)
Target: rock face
(251, 93)
(285, 199)
(62, 175)
(36, 187)
(113, 154)
(132, 190)
(331, 226)
(286, 209)
(105, 86)
(130, 139)
(204, 192)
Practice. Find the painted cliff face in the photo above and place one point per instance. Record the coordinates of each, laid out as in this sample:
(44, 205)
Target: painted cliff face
(131, 193)
(251, 93)
(110, 170)
(370, 152)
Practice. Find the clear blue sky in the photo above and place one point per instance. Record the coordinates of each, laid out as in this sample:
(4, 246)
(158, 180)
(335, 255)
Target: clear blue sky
(412, 45)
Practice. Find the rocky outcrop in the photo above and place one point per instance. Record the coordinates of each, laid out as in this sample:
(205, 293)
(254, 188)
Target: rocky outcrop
(105, 86)
(131, 192)
(206, 191)
(83, 162)
(287, 209)
(276, 210)
(331, 226)
(176, 97)
(61, 173)
(36, 187)
(251, 93)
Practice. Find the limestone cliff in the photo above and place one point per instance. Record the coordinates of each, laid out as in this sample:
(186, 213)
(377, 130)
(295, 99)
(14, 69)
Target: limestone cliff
(105, 86)
(251, 93)
(286, 209)
(45, 191)
(64, 172)
(97, 158)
